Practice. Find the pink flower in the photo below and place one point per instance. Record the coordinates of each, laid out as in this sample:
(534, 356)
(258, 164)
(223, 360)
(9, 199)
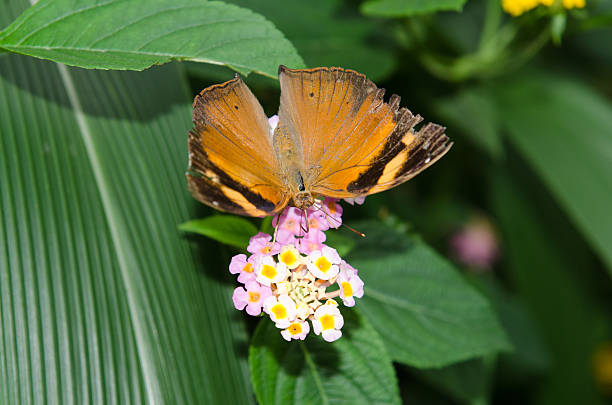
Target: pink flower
(308, 245)
(273, 122)
(261, 244)
(355, 200)
(252, 298)
(347, 268)
(289, 225)
(476, 244)
(317, 220)
(334, 212)
(243, 267)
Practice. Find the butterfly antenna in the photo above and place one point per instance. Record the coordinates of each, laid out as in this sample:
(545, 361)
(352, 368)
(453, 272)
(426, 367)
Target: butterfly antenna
(363, 235)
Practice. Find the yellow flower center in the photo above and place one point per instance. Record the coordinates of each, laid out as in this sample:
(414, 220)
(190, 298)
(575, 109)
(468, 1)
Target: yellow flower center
(279, 311)
(248, 268)
(266, 249)
(268, 271)
(295, 328)
(313, 223)
(323, 264)
(254, 296)
(288, 257)
(327, 321)
(346, 287)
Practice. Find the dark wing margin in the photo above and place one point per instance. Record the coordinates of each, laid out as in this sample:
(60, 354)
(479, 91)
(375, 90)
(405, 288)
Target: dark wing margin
(404, 160)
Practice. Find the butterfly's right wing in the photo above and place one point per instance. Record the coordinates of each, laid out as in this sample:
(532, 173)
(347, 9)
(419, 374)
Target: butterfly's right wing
(232, 164)
(352, 141)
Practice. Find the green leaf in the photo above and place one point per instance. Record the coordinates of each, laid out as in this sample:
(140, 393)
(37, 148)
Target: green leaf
(426, 313)
(331, 33)
(355, 369)
(474, 112)
(562, 128)
(407, 8)
(101, 298)
(229, 229)
(136, 34)
(550, 268)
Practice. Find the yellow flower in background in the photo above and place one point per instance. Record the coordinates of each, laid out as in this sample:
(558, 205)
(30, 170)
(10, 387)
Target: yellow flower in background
(518, 7)
(574, 3)
(602, 366)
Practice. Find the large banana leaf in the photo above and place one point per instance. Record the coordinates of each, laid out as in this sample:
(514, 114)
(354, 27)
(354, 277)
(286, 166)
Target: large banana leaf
(101, 298)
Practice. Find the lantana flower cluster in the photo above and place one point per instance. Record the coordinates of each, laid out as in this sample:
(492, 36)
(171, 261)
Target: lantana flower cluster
(287, 275)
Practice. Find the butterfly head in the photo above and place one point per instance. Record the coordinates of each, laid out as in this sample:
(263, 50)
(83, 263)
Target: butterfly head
(303, 200)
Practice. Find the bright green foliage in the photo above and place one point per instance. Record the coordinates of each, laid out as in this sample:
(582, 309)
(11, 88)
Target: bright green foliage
(229, 229)
(427, 314)
(355, 369)
(102, 300)
(406, 8)
(136, 34)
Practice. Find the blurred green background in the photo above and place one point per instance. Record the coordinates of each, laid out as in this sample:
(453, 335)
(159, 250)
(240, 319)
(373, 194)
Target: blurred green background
(521, 204)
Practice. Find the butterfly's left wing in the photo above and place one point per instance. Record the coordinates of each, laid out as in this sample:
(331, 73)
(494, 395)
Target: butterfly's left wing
(232, 164)
(355, 143)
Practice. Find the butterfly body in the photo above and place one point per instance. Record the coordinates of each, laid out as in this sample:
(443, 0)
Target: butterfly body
(336, 137)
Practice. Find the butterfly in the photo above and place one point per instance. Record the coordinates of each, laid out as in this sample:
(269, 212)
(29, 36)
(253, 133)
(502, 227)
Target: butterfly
(336, 137)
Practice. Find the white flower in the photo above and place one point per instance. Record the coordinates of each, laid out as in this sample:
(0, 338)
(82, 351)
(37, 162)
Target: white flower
(297, 330)
(282, 310)
(268, 271)
(324, 263)
(328, 322)
(290, 257)
(350, 286)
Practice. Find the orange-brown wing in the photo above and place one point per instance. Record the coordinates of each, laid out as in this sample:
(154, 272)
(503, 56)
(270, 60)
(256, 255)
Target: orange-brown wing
(354, 142)
(232, 165)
